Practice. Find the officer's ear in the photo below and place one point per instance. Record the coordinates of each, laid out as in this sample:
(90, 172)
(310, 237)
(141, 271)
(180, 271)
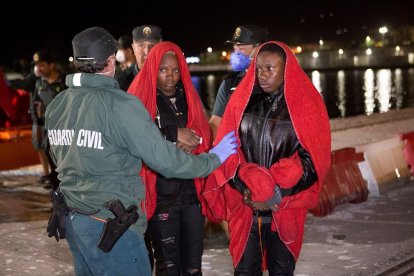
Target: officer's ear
(111, 60)
(254, 52)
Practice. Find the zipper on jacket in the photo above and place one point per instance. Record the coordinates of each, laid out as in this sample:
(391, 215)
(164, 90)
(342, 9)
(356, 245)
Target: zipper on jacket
(262, 155)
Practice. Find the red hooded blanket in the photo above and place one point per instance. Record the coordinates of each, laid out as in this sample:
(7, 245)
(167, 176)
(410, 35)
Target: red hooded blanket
(311, 123)
(144, 86)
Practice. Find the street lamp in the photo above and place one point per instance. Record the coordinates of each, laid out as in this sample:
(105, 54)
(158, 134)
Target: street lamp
(383, 30)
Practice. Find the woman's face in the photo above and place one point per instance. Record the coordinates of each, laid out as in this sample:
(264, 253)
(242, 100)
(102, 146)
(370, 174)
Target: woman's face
(270, 71)
(168, 74)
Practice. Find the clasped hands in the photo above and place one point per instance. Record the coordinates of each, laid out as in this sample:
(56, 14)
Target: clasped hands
(255, 205)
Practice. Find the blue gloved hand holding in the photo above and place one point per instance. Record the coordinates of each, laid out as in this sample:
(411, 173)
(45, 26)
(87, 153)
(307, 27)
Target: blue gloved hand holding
(226, 147)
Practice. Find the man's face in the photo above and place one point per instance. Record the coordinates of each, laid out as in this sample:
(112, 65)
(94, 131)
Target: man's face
(245, 49)
(141, 51)
(270, 71)
(44, 68)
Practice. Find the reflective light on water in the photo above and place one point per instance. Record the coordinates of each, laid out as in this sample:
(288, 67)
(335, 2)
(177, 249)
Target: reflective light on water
(211, 89)
(384, 89)
(341, 92)
(316, 80)
(369, 91)
(345, 92)
(399, 89)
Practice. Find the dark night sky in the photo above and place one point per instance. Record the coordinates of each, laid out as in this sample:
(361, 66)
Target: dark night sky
(194, 25)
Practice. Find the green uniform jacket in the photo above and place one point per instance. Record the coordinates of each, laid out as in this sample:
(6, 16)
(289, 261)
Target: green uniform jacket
(99, 136)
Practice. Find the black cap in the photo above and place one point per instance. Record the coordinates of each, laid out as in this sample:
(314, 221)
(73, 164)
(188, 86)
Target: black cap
(125, 42)
(93, 45)
(43, 56)
(249, 34)
(147, 32)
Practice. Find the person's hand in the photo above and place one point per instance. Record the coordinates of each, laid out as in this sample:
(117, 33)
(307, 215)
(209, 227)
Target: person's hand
(247, 197)
(56, 224)
(259, 206)
(188, 137)
(226, 147)
(185, 148)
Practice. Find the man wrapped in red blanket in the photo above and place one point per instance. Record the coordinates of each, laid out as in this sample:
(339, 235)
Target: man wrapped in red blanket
(265, 191)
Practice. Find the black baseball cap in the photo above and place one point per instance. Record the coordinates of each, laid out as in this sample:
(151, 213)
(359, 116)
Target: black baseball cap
(42, 56)
(94, 45)
(249, 34)
(147, 32)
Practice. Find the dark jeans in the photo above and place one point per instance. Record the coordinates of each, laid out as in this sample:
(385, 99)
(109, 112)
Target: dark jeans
(279, 259)
(177, 239)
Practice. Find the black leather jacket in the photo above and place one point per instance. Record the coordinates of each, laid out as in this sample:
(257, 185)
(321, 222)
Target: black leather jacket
(267, 135)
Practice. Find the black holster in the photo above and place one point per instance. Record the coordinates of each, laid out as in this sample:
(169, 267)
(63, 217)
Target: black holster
(114, 228)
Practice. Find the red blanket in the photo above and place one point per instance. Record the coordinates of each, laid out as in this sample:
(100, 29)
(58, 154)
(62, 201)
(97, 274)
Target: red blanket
(311, 123)
(15, 103)
(144, 86)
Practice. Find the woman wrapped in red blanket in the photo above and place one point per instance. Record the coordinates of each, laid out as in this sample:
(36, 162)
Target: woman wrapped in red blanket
(265, 191)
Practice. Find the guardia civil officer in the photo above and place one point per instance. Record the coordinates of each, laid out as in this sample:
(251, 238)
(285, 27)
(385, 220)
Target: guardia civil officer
(143, 39)
(99, 138)
(50, 82)
(245, 41)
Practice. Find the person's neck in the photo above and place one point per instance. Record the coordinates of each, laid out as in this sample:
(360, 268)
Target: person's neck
(53, 76)
(131, 62)
(168, 93)
(277, 93)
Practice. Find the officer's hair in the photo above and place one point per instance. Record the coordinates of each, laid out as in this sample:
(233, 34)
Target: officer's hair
(273, 48)
(89, 67)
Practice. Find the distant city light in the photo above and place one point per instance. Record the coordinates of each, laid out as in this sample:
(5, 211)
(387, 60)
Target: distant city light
(192, 59)
(70, 59)
(298, 49)
(340, 51)
(209, 49)
(321, 42)
(315, 54)
(368, 52)
(383, 30)
(368, 39)
(397, 48)
(224, 53)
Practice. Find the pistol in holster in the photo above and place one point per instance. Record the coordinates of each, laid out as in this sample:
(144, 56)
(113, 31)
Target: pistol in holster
(114, 228)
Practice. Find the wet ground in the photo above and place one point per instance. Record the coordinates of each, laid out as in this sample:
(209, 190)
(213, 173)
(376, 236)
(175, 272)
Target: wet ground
(23, 199)
(375, 237)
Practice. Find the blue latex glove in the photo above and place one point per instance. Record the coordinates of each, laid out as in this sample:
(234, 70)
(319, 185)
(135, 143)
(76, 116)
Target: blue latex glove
(226, 147)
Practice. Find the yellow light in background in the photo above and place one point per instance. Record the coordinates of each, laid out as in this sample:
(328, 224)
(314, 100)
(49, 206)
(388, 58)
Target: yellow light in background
(298, 49)
(321, 42)
(209, 49)
(315, 54)
(368, 39)
(397, 48)
(70, 59)
(340, 51)
(368, 52)
(224, 53)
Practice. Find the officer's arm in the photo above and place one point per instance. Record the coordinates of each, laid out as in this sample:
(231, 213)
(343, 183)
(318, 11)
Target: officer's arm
(221, 100)
(143, 139)
(219, 107)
